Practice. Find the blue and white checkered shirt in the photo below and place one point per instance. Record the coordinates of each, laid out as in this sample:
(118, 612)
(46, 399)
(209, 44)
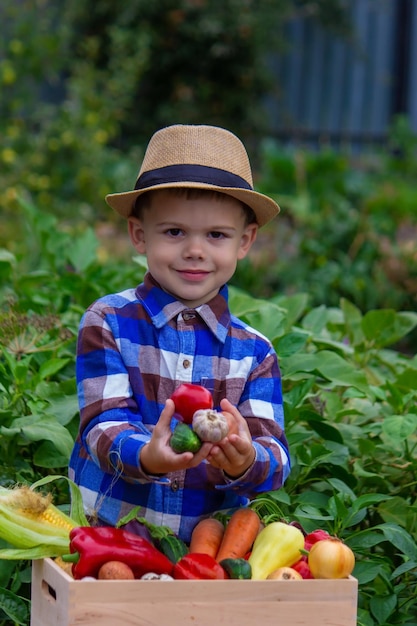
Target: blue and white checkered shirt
(134, 349)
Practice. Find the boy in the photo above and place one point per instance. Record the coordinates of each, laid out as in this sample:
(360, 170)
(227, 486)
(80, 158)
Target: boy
(194, 214)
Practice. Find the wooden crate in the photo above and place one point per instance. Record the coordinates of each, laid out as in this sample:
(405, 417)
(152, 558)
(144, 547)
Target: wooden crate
(58, 600)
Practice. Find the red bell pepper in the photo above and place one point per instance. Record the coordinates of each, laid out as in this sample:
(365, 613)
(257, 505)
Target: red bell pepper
(94, 546)
(196, 566)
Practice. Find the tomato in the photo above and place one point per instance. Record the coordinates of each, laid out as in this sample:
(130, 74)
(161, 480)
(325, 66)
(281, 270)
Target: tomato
(302, 568)
(189, 398)
(331, 558)
(314, 537)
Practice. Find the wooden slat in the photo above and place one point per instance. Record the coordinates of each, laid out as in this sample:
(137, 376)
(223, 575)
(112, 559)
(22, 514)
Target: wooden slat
(57, 600)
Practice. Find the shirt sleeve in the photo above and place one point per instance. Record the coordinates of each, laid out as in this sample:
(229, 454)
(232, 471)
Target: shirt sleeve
(261, 404)
(112, 431)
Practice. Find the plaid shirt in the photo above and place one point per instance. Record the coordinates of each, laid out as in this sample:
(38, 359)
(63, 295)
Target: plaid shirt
(134, 349)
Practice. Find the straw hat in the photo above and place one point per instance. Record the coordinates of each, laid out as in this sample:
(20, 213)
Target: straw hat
(204, 157)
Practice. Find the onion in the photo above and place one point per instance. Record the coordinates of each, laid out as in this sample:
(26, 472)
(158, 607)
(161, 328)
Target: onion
(284, 573)
(331, 558)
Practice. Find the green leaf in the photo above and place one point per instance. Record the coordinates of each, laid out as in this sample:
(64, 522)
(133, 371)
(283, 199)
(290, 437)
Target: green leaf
(368, 500)
(15, 607)
(315, 320)
(399, 427)
(398, 511)
(51, 367)
(310, 512)
(366, 571)
(382, 607)
(360, 472)
(295, 396)
(82, 252)
(6, 568)
(242, 303)
(141, 261)
(47, 456)
(337, 507)
(341, 487)
(330, 365)
(47, 428)
(291, 343)
(400, 539)
(365, 539)
(353, 321)
(408, 566)
(294, 305)
(408, 379)
(322, 428)
(384, 327)
(63, 407)
(268, 319)
(7, 257)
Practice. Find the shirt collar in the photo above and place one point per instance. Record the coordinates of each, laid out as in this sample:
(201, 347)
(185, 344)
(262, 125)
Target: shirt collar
(163, 307)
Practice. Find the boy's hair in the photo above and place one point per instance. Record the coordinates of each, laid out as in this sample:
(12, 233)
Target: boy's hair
(144, 201)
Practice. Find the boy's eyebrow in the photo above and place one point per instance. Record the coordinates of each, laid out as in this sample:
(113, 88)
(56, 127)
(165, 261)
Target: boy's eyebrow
(173, 223)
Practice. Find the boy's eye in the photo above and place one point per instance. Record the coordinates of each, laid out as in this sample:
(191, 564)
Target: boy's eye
(215, 234)
(174, 232)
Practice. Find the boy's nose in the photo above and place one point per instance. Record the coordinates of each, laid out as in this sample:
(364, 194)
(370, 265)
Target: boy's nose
(194, 248)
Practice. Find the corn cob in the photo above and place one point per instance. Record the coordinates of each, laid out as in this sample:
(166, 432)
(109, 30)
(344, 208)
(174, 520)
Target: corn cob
(30, 522)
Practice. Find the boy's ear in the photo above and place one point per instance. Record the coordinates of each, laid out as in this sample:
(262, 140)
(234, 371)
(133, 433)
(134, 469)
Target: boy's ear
(248, 238)
(137, 234)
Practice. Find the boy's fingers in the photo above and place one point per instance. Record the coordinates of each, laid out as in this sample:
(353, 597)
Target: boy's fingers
(229, 407)
(166, 415)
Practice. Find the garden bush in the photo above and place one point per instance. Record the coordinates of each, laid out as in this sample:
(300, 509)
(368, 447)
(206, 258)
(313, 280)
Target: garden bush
(350, 406)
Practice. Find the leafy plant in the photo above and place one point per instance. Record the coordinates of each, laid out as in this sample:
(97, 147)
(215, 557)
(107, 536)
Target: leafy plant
(350, 405)
(351, 418)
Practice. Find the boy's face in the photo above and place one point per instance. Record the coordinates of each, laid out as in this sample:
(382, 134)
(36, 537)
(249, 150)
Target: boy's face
(192, 245)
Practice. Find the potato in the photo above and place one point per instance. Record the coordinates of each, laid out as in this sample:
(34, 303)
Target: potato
(115, 570)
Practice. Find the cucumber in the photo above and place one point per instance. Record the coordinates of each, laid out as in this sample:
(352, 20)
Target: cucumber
(183, 439)
(173, 547)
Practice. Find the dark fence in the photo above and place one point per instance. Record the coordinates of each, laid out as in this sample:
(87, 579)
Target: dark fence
(347, 91)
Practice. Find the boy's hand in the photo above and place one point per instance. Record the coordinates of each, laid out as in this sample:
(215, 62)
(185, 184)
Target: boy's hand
(235, 453)
(157, 457)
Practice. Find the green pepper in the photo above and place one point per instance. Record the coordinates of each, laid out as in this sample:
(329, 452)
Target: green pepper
(277, 545)
(239, 569)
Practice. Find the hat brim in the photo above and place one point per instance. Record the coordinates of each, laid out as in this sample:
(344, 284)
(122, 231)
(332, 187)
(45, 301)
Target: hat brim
(263, 206)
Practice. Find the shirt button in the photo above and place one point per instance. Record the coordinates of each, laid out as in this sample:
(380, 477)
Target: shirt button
(175, 485)
(186, 363)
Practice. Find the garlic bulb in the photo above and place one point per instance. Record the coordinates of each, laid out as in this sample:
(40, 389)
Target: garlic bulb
(210, 425)
(153, 576)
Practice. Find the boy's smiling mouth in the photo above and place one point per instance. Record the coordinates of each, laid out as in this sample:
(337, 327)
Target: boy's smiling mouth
(193, 274)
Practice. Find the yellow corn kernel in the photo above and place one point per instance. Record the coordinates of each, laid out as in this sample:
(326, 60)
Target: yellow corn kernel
(55, 517)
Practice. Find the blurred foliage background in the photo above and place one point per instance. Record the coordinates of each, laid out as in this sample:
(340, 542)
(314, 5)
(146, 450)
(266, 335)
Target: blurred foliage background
(84, 85)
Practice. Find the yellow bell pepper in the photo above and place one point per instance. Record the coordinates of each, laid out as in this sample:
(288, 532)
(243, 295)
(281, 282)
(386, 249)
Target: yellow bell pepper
(277, 545)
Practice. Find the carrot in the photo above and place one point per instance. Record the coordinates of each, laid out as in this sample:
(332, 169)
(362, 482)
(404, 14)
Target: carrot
(239, 534)
(207, 536)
